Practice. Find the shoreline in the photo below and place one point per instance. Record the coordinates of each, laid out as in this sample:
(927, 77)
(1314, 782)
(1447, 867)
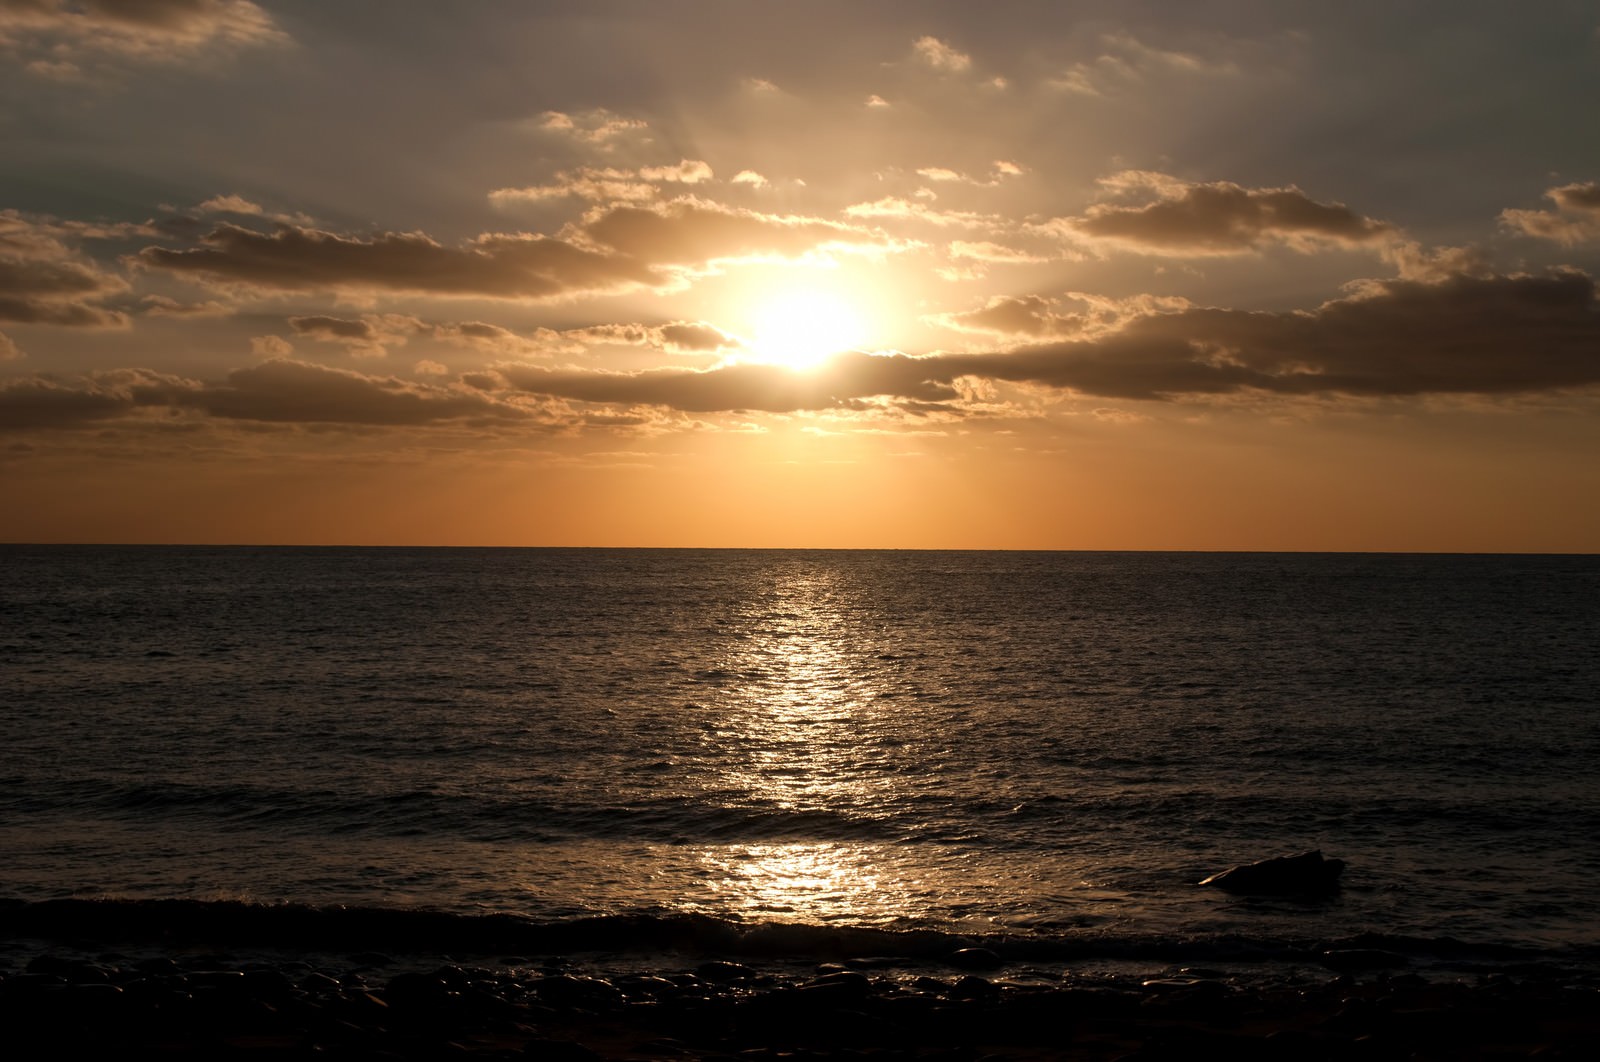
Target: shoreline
(190, 980)
(372, 1006)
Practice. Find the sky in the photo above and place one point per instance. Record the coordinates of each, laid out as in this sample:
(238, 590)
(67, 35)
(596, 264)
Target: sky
(1012, 275)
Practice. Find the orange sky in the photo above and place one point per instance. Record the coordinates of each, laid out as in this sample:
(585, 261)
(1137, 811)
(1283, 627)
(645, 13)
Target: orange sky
(1058, 276)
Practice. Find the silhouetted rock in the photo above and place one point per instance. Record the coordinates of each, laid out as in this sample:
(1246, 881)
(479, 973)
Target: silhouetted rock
(975, 959)
(1306, 873)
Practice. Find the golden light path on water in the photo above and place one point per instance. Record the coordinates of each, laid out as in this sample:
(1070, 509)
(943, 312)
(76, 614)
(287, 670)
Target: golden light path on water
(816, 745)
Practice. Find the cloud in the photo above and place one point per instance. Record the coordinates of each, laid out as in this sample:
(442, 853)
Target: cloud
(1465, 335)
(291, 258)
(297, 392)
(370, 336)
(1002, 170)
(608, 184)
(688, 171)
(9, 350)
(988, 251)
(936, 54)
(163, 306)
(749, 387)
(675, 337)
(42, 281)
(275, 391)
(271, 347)
(230, 204)
(1218, 218)
(1008, 315)
(1576, 219)
(596, 185)
(69, 31)
(39, 402)
(750, 177)
(694, 337)
(617, 249)
(901, 209)
(691, 232)
(1125, 61)
(598, 126)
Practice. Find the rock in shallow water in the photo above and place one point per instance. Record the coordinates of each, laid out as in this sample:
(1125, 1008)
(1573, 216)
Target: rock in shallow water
(1305, 874)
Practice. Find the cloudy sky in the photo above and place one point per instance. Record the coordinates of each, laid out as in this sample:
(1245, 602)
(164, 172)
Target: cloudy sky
(1122, 275)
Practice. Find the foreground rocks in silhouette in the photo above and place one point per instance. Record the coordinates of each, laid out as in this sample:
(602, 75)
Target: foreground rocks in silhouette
(1305, 874)
(200, 1008)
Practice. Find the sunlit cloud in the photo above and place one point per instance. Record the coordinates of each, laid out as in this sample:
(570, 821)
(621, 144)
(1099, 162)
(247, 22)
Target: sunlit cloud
(1576, 219)
(599, 126)
(936, 54)
(271, 347)
(989, 251)
(1465, 335)
(902, 209)
(607, 184)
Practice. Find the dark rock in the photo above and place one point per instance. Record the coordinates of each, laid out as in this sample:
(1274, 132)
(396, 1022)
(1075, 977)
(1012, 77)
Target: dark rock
(974, 987)
(723, 972)
(1350, 960)
(842, 988)
(1307, 874)
(975, 959)
(559, 1051)
(569, 990)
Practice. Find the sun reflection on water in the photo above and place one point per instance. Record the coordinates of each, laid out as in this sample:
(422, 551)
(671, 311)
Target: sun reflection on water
(819, 882)
(814, 750)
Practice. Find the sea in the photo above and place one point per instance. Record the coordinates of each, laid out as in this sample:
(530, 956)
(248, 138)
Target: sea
(801, 754)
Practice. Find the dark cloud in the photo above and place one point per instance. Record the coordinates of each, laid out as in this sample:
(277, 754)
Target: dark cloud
(1465, 335)
(1221, 218)
(848, 380)
(689, 336)
(57, 292)
(295, 392)
(1009, 315)
(615, 250)
(44, 402)
(300, 259)
(64, 31)
(277, 391)
(368, 336)
(320, 326)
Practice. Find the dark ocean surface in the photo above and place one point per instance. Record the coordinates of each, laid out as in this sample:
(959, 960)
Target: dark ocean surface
(1041, 751)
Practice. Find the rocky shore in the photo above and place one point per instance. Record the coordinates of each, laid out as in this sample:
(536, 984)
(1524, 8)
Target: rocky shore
(69, 1002)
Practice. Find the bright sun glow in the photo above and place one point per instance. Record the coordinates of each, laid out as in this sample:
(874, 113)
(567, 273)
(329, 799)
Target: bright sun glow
(802, 329)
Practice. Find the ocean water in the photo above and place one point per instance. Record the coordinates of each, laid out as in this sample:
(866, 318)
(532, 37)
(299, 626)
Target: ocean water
(1043, 751)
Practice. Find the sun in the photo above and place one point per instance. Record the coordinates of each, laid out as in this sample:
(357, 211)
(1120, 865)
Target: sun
(802, 328)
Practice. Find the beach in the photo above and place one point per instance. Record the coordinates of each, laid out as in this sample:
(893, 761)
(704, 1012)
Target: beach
(172, 983)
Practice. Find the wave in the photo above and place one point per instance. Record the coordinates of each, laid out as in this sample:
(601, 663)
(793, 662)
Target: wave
(406, 931)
